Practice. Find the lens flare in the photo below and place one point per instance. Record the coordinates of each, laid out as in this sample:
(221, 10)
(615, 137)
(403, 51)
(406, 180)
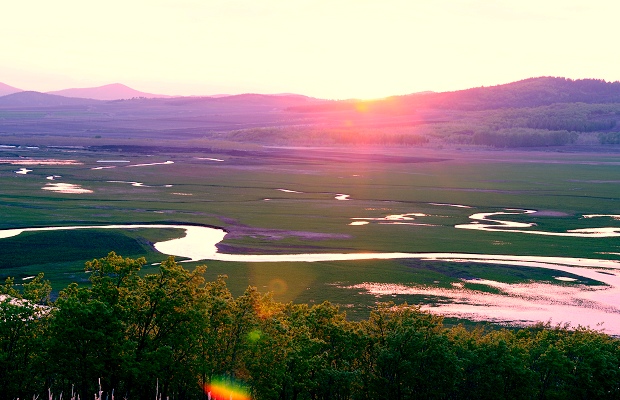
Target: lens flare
(221, 389)
(277, 286)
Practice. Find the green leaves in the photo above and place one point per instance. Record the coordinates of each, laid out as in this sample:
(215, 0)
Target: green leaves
(23, 324)
(175, 332)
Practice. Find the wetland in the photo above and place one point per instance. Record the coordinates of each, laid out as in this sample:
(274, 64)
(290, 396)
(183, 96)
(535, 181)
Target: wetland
(444, 201)
(448, 230)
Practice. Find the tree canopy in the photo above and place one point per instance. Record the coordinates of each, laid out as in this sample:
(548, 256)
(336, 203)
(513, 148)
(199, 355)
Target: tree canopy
(174, 334)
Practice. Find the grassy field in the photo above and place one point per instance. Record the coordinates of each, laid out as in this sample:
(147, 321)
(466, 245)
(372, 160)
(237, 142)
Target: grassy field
(241, 195)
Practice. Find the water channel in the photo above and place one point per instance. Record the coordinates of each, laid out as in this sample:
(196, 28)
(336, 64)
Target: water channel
(517, 303)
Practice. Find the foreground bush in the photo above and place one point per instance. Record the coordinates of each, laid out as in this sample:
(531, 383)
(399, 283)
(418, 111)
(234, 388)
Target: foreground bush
(175, 335)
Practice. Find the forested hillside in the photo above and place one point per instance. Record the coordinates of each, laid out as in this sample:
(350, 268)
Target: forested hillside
(532, 92)
(536, 112)
(175, 335)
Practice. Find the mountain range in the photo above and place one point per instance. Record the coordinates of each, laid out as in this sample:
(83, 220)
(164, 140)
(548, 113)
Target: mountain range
(26, 99)
(541, 111)
(532, 92)
(114, 91)
(6, 89)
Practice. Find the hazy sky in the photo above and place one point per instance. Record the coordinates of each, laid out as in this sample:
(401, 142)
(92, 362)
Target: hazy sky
(322, 48)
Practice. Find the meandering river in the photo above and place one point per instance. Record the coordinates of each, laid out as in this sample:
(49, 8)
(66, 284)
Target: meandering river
(522, 303)
(481, 223)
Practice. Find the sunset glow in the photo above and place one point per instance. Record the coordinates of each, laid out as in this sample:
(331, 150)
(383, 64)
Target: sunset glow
(327, 49)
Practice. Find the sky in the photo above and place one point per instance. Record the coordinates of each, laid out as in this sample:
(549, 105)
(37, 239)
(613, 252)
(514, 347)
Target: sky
(333, 49)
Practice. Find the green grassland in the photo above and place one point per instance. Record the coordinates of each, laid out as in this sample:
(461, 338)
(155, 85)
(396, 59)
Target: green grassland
(241, 196)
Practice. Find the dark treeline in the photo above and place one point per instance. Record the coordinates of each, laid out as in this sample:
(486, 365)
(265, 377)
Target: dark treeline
(329, 136)
(574, 117)
(174, 332)
(609, 138)
(558, 124)
(555, 125)
(574, 125)
(523, 137)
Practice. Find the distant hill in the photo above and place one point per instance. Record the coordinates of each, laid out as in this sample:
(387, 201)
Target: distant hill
(38, 99)
(536, 112)
(115, 91)
(272, 99)
(6, 89)
(248, 100)
(532, 92)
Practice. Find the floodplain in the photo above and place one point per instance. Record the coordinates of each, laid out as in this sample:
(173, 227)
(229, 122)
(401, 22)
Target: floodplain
(276, 201)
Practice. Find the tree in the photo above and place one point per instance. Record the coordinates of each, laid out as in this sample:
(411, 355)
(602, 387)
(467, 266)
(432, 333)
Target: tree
(23, 322)
(410, 355)
(133, 332)
(494, 364)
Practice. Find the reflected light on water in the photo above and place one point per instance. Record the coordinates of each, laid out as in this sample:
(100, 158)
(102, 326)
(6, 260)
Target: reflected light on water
(516, 304)
(577, 304)
(481, 223)
(68, 188)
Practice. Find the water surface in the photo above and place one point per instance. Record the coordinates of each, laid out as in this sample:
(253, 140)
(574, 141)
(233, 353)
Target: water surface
(517, 303)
